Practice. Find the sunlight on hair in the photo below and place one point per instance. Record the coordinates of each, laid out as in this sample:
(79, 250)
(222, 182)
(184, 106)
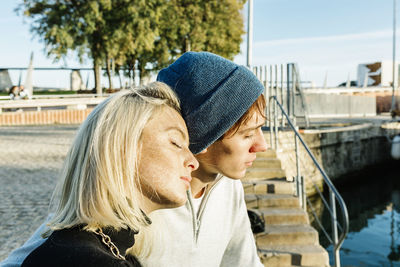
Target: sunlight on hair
(99, 184)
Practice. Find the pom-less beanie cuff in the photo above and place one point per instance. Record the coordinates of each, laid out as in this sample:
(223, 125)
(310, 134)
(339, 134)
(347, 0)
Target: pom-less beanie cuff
(214, 94)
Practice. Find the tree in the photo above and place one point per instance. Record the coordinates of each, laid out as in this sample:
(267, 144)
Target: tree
(138, 31)
(146, 34)
(225, 27)
(104, 30)
(195, 25)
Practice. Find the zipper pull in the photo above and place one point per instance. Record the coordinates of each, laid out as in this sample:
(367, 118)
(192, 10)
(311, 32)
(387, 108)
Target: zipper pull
(197, 228)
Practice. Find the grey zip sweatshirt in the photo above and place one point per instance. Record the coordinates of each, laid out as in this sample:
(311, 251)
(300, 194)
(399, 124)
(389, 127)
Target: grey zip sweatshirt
(220, 232)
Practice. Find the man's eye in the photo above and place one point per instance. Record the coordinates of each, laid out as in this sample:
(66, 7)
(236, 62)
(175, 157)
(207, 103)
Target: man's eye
(248, 136)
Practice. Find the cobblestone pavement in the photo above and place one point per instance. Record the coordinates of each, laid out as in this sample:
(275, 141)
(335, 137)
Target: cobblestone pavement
(30, 160)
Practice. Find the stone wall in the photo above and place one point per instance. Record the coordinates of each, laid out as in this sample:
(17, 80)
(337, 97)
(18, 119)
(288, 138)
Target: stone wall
(340, 151)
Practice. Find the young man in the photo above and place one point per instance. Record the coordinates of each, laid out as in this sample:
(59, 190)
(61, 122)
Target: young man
(224, 111)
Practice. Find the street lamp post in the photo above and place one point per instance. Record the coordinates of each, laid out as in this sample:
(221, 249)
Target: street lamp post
(394, 82)
(249, 33)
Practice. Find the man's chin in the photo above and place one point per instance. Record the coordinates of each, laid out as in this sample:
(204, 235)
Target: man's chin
(237, 175)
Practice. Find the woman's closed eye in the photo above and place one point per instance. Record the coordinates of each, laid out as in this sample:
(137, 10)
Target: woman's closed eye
(176, 144)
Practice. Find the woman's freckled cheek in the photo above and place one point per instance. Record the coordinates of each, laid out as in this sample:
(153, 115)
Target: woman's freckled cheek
(155, 154)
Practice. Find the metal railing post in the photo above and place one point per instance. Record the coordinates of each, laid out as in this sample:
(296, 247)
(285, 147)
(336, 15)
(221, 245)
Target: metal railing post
(270, 127)
(276, 126)
(282, 118)
(266, 82)
(288, 88)
(293, 94)
(334, 228)
(276, 89)
(298, 180)
(303, 193)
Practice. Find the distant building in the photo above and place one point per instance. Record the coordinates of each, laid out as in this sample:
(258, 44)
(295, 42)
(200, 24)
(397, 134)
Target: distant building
(376, 74)
(5, 80)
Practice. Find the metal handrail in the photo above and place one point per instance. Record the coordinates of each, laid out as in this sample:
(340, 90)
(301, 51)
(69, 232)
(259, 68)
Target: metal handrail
(334, 194)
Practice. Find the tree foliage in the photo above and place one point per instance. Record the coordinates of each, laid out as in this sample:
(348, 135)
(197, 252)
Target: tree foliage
(103, 30)
(196, 25)
(142, 34)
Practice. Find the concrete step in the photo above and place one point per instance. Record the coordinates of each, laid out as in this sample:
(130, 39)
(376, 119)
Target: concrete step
(292, 255)
(262, 162)
(284, 216)
(301, 234)
(297, 266)
(264, 173)
(270, 186)
(256, 201)
(269, 153)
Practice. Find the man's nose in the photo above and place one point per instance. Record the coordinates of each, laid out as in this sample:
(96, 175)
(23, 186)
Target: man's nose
(259, 145)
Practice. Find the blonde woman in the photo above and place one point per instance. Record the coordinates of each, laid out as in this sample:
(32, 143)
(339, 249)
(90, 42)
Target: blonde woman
(129, 158)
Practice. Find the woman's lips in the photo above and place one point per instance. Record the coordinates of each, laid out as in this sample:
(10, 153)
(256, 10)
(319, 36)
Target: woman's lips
(186, 179)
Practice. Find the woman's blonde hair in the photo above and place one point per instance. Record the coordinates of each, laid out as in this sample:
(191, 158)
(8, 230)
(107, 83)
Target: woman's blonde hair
(99, 185)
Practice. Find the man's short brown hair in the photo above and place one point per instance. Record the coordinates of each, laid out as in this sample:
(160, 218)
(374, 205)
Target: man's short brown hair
(258, 106)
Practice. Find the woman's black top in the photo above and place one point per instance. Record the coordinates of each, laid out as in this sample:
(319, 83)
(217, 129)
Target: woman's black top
(77, 247)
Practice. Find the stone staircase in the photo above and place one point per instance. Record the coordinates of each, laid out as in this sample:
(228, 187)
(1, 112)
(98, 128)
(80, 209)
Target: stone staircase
(288, 239)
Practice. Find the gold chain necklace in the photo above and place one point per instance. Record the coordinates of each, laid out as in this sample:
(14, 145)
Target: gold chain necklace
(107, 241)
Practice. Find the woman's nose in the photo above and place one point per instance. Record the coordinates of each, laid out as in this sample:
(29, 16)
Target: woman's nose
(192, 162)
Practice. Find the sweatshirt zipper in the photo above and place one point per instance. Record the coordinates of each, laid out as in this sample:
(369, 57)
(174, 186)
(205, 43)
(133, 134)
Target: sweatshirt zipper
(197, 220)
(194, 217)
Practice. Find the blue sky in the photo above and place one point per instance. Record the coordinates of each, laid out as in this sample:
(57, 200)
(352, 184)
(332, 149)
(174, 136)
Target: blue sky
(323, 37)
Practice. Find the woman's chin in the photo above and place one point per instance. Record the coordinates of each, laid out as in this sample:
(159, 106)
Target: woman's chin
(175, 202)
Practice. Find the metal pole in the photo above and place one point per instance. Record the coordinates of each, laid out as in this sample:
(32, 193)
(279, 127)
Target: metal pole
(250, 33)
(282, 118)
(270, 123)
(266, 90)
(298, 181)
(288, 88)
(276, 90)
(271, 81)
(394, 83)
(276, 107)
(276, 81)
(334, 229)
(303, 193)
(276, 126)
(294, 80)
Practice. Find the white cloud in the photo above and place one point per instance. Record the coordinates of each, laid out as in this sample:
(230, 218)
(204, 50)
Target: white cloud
(335, 38)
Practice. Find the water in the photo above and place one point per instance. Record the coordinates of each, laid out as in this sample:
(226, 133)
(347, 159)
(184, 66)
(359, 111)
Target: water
(375, 245)
(373, 203)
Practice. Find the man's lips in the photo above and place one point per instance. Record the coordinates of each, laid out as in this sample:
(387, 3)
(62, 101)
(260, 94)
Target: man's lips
(249, 163)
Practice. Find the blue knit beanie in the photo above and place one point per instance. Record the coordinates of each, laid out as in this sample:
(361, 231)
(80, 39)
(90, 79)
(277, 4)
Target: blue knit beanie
(214, 94)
